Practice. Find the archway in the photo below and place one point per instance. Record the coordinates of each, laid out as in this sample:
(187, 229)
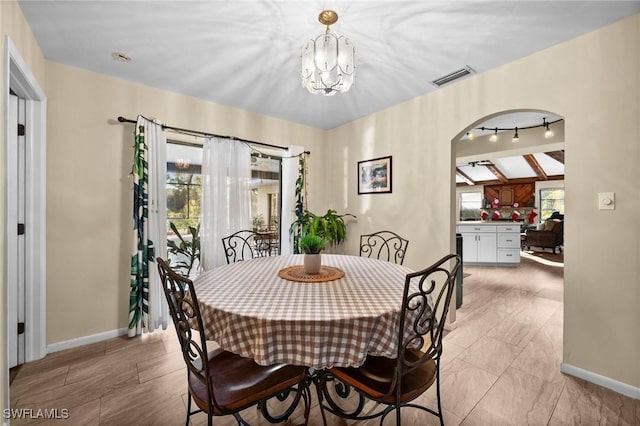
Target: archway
(488, 158)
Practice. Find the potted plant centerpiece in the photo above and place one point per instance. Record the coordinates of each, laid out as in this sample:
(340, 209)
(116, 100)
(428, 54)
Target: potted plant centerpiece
(311, 245)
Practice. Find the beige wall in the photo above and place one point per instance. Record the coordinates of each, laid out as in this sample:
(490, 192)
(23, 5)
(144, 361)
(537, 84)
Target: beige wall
(591, 81)
(13, 25)
(89, 187)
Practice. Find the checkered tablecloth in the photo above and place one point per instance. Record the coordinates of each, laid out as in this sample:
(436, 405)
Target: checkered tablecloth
(249, 310)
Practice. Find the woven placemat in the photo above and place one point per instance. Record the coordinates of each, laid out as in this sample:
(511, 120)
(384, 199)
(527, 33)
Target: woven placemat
(297, 273)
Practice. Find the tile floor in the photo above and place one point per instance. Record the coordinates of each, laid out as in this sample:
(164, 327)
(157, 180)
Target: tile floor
(500, 367)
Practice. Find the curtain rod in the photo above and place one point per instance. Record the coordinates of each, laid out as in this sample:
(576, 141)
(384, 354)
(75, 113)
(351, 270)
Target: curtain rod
(197, 132)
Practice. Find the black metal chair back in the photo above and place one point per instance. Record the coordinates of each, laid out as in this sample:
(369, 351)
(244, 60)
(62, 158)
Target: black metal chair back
(427, 296)
(237, 381)
(186, 316)
(246, 244)
(384, 245)
(396, 382)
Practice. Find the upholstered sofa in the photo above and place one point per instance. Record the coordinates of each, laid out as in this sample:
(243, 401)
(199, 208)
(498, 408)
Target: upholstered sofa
(551, 235)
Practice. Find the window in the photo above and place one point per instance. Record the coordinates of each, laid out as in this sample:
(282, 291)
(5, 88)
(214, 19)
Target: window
(470, 205)
(183, 199)
(265, 196)
(551, 200)
(184, 190)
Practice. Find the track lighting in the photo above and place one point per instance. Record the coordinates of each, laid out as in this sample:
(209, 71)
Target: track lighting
(516, 138)
(548, 133)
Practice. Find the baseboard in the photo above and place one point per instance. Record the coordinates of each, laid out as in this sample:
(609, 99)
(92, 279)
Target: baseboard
(85, 340)
(614, 385)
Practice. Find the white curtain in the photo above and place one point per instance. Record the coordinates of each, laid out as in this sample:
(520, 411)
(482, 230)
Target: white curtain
(289, 176)
(226, 196)
(148, 306)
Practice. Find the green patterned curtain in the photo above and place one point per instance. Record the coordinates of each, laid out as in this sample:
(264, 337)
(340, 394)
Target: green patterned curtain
(143, 250)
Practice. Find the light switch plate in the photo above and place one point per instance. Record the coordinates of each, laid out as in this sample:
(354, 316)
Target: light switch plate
(606, 200)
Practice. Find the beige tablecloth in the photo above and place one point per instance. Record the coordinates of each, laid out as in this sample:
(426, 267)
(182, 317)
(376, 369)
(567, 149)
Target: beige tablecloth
(251, 311)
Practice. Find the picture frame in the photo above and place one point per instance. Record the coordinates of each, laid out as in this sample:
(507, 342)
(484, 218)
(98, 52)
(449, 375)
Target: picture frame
(374, 176)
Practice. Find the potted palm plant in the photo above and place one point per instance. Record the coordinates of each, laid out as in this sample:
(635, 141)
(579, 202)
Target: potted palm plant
(311, 245)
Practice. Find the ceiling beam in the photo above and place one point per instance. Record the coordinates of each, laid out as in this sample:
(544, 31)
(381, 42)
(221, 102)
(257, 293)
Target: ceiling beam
(517, 181)
(493, 169)
(556, 155)
(529, 158)
(466, 178)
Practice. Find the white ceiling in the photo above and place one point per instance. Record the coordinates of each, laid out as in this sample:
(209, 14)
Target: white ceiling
(246, 53)
(512, 167)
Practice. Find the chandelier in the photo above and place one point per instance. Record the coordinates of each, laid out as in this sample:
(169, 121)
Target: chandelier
(328, 61)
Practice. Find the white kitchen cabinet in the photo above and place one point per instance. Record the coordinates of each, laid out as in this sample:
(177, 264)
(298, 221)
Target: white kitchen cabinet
(478, 243)
(490, 243)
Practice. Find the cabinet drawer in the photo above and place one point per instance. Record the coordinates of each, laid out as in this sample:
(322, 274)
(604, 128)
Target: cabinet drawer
(509, 240)
(509, 255)
(475, 229)
(509, 228)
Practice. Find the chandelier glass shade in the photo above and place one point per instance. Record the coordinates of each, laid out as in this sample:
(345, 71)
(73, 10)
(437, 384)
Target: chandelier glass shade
(328, 61)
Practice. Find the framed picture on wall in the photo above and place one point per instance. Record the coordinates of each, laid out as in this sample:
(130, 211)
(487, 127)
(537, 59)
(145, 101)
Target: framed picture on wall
(374, 176)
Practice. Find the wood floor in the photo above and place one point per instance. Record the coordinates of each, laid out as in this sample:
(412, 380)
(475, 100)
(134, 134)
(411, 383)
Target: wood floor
(500, 367)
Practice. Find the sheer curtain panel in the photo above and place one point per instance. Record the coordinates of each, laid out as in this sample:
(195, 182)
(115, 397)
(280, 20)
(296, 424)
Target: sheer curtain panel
(226, 196)
(147, 306)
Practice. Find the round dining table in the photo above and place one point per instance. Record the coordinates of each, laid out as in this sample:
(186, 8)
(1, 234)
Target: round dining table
(248, 309)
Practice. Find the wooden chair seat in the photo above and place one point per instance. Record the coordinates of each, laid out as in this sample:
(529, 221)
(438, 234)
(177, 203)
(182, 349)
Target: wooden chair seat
(239, 382)
(375, 377)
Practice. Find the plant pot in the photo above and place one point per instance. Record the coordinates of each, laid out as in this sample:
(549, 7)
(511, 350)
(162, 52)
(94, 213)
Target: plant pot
(312, 263)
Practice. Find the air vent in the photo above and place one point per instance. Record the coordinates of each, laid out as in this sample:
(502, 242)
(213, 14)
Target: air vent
(445, 79)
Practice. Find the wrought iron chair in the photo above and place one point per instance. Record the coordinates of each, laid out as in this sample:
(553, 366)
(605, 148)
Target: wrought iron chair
(246, 244)
(226, 383)
(395, 383)
(384, 245)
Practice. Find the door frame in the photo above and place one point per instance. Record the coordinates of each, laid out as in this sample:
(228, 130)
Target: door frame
(18, 77)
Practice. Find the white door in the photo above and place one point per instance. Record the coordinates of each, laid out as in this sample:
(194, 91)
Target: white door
(16, 173)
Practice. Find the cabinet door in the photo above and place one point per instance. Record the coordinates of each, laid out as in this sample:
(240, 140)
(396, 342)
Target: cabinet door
(506, 196)
(487, 247)
(469, 248)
